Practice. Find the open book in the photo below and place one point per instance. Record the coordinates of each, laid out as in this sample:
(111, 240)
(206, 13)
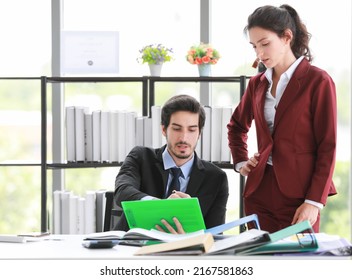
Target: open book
(152, 234)
(144, 234)
(140, 234)
(195, 245)
(296, 238)
(205, 244)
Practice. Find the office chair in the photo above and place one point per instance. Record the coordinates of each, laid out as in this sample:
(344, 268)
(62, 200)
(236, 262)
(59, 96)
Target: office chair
(112, 212)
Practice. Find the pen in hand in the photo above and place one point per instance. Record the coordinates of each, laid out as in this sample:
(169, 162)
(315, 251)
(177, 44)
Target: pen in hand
(178, 194)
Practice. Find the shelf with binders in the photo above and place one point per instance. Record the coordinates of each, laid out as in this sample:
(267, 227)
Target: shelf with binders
(92, 91)
(82, 89)
(44, 163)
(214, 113)
(148, 101)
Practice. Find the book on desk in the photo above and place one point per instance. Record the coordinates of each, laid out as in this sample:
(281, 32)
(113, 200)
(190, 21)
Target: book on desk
(142, 236)
(296, 238)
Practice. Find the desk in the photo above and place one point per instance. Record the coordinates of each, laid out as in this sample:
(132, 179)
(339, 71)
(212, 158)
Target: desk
(63, 247)
(63, 257)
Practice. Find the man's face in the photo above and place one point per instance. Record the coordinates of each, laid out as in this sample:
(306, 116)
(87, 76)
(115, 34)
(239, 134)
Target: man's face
(182, 135)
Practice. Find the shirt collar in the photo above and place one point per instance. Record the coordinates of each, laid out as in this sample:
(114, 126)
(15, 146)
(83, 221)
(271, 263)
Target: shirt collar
(287, 74)
(169, 163)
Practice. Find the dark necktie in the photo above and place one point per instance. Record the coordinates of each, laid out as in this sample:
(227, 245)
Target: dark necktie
(175, 183)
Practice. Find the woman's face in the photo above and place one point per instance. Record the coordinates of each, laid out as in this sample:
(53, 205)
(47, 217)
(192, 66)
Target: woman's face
(269, 47)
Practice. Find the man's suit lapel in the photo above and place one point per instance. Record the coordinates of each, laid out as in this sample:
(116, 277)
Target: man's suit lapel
(196, 177)
(164, 173)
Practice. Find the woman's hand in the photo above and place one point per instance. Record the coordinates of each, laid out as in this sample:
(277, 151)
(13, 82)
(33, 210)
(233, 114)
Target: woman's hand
(305, 212)
(249, 165)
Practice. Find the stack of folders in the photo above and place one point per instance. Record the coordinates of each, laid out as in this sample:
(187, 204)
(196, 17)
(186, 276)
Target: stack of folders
(211, 240)
(296, 238)
(293, 239)
(144, 215)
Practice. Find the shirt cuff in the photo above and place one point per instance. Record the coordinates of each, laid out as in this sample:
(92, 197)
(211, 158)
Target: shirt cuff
(317, 204)
(148, 197)
(239, 165)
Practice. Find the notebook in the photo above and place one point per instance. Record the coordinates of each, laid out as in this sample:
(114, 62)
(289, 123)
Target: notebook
(147, 213)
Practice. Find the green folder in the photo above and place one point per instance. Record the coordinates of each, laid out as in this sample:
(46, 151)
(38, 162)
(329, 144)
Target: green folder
(293, 239)
(148, 213)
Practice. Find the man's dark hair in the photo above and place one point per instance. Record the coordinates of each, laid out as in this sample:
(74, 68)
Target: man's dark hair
(182, 102)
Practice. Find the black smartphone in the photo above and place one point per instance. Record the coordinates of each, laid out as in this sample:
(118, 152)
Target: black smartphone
(99, 244)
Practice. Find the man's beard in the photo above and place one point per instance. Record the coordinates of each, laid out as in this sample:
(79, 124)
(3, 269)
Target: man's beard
(180, 155)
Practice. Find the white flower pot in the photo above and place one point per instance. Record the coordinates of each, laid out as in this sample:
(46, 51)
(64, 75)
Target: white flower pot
(155, 69)
(204, 70)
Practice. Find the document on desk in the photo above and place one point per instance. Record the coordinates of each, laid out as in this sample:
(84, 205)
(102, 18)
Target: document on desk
(140, 234)
(329, 245)
(12, 238)
(236, 223)
(245, 240)
(195, 245)
(292, 239)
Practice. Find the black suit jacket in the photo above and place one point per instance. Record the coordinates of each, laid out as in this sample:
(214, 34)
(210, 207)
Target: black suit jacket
(142, 174)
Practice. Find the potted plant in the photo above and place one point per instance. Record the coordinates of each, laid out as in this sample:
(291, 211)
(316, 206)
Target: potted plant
(155, 55)
(203, 55)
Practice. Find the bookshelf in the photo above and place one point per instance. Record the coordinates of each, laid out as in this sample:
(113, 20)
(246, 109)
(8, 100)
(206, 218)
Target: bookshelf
(143, 81)
(148, 92)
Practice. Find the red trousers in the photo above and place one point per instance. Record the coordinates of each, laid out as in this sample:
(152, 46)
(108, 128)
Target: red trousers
(275, 211)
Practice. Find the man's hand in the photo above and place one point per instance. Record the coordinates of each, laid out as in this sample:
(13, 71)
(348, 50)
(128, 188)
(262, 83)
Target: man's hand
(179, 228)
(177, 194)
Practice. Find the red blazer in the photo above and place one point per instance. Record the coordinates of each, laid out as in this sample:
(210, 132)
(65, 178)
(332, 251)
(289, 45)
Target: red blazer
(303, 142)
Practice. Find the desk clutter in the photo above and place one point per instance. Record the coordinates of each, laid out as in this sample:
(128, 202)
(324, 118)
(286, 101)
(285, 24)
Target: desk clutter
(298, 239)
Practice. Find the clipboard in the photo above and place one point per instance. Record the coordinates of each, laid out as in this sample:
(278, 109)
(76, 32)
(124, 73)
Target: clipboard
(148, 213)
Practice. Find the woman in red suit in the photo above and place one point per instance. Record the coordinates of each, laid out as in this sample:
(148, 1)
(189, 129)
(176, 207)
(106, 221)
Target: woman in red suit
(293, 105)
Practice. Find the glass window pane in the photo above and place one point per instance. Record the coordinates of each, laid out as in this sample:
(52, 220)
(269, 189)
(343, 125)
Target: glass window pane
(141, 23)
(25, 28)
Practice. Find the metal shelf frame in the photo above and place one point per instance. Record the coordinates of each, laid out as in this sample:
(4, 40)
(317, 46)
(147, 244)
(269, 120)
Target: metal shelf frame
(148, 100)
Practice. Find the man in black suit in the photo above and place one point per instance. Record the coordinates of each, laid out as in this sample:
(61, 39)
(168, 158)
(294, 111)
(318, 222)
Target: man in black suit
(146, 172)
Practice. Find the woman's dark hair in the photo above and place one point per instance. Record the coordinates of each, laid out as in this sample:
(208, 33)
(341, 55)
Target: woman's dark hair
(182, 102)
(278, 20)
